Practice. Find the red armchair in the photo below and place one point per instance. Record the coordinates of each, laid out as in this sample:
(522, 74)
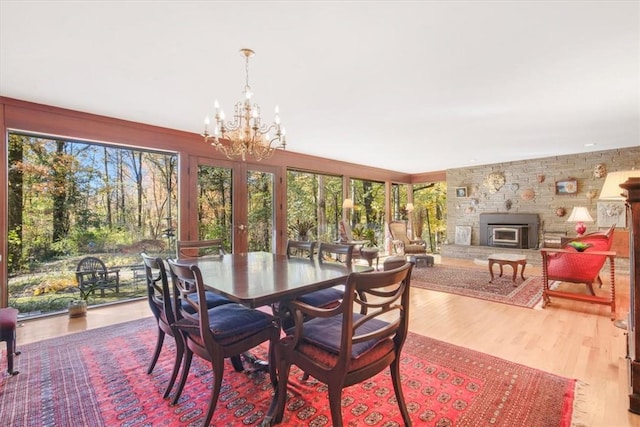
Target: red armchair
(567, 264)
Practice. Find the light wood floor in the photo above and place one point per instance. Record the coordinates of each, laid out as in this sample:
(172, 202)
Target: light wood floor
(568, 338)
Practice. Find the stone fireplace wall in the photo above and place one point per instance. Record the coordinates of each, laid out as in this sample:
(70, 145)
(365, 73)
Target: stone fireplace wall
(530, 186)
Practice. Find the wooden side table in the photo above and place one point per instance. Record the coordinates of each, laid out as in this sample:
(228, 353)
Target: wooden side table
(369, 254)
(513, 260)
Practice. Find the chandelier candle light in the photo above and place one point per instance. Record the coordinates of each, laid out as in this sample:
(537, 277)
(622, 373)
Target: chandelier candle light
(580, 214)
(245, 135)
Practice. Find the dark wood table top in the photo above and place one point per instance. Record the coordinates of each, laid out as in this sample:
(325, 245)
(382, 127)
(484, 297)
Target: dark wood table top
(261, 278)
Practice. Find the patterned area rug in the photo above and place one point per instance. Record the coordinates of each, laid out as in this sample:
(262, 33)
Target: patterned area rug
(473, 282)
(97, 378)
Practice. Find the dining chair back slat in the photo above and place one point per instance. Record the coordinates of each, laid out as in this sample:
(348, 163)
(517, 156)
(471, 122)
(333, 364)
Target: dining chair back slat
(335, 252)
(199, 248)
(301, 249)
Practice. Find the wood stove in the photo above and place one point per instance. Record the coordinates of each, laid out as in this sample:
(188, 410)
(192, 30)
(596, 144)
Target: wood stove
(510, 236)
(509, 230)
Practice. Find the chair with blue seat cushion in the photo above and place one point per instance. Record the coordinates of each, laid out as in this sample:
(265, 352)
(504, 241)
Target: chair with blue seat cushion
(330, 252)
(160, 302)
(159, 298)
(351, 342)
(214, 334)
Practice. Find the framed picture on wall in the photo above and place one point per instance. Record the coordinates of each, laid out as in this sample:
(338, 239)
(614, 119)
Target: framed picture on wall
(463, 235)
(461, 191)
(567, 186)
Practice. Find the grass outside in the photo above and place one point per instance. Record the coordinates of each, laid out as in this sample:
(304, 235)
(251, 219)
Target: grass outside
(48, 288)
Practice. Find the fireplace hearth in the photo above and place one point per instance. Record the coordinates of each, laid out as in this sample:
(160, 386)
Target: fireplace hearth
(509, 230)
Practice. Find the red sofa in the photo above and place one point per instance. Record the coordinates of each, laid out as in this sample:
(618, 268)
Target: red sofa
(567, 264)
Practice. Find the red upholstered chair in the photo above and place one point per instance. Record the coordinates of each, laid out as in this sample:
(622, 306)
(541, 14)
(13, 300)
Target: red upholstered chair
(569, 264)
(8, 322)
(350, 343)
(577, 268)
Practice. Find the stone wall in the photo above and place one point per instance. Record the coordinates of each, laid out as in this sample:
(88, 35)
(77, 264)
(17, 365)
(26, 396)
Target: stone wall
(537, 178)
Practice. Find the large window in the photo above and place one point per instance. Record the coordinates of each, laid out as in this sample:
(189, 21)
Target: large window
(314, 206)
(72, 199)
(430, 213)
(368, 214)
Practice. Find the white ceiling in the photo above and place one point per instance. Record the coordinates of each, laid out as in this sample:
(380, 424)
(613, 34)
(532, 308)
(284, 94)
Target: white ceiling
(403, 85)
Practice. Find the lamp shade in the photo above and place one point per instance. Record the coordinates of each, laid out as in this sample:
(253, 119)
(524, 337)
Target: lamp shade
(611, 189)
(409, 207)
(347, 204)
(580, 214)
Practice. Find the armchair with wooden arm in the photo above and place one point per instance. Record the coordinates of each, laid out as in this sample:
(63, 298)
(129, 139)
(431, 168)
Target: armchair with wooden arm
(401, 242)
(568, 264)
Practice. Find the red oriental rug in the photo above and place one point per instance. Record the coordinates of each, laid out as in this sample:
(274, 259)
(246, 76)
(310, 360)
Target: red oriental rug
(97, 378)
(474, 282)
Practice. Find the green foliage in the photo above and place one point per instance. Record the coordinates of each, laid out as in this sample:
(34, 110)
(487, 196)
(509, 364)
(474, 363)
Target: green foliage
(66, 246)
(361, 232)
(16, 261)
(300, 229)
(43, 305)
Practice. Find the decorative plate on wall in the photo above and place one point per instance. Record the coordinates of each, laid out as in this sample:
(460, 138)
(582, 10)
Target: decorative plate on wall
(494, 182)
(528, 194)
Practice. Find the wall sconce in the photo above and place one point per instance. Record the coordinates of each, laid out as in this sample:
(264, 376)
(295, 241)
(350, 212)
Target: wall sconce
(347, 204)
(409, 207)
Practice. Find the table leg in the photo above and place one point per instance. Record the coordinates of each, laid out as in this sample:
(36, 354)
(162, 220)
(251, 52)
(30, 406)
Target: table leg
(515, 271)
(491, 270)
(524, 264)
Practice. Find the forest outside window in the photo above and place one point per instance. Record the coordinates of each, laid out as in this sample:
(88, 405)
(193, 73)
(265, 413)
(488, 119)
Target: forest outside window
(69, 199)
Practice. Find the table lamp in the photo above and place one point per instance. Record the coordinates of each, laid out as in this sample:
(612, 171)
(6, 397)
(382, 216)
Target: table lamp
(580, 215)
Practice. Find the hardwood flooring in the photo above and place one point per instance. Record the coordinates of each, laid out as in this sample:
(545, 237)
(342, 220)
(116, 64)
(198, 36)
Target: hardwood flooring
(568, 338)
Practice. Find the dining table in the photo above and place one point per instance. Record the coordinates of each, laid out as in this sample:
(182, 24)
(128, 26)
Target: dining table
(257, 279)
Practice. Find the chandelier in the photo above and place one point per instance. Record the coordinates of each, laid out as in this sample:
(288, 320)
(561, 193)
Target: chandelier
(245, 135)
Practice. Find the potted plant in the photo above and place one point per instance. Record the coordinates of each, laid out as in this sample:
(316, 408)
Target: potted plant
(301, 228)
(78, 307)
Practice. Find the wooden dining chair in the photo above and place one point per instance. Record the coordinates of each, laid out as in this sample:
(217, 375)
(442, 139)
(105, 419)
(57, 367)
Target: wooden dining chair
(159, 297)
(214, 334)
(161, 304)
(301, 249)
(199, 248)
(351, 342)
(330, 252)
